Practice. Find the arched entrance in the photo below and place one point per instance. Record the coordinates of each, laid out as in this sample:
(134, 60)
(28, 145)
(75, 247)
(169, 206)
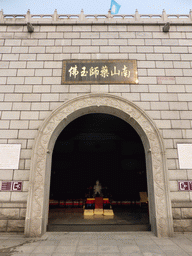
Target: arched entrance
(158, 187)
(100, 147)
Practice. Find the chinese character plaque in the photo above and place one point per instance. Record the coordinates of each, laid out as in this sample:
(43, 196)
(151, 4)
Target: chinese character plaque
(99, 72)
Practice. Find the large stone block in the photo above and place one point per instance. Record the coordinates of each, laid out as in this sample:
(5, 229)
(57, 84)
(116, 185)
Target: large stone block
(44, 57)
(8, 134)
(181, 64)
(127, 35)
(55, 35)
(6, 174)
(82, 41)
(9, 213)
(89, 49)
(89, 35)
(5, 105)
(29, 115)
(5, 196)
(117, 41)
(36, 49)
(82, 28)
(27, 134)
(171, 56)
(177, 174)
(54, 49)
(170, 114)
(15, 80)
(21, 106)
(22, 213)
(176, 213)
(25, 72)
(3, 225)
(50, 97)
(46, 42)
(179, 196)
(19, 196)
(15, 225)
(18, 124)
(149, 97)
(98, 41)
(108, 35)
(73, 35)
(108, 49)
(21, 175)
(128, 49)
(178, 105)
(164, 64)
(13, 42)
(186, 213)
(4, 124)
(168, 97)
(162, 49)
(180, 124)
(182, 225)
(13, 97)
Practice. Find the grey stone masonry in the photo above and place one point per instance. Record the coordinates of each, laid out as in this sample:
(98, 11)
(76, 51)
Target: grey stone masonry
(30, 86)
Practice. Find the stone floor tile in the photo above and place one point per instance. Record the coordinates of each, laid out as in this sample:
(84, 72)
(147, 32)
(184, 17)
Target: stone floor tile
(129, 249)
(106, 242)
(186, 248)
(67, 249)
(41, 254)
(163, 241)
(86, 249)
(18, 254)
(108, 249)
(177, 254)
(126, 242)
(132, 254)
(151, 249)
(49, 243)
(10, 243)
(106, 236)
(63, 254)
(109, 254)
(172, 248)
(44, 249)
(88, 242)
(25, 249)
(68, 242)
(145, 242)
(85, 254)
(153, 254)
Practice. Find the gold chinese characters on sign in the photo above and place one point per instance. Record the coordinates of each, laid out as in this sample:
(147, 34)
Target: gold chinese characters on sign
(99, 72)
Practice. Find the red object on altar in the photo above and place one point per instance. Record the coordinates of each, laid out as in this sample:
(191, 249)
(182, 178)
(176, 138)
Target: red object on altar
(98, 202)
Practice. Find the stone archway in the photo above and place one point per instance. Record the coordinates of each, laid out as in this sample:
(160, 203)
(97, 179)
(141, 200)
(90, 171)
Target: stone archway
(157, 178)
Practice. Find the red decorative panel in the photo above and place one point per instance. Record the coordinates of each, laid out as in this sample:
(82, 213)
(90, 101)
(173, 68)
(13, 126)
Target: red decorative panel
(185, 185)
(11, 186)
(6, 185)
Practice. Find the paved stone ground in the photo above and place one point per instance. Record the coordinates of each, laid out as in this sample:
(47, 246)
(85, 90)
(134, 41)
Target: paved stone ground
(98, 243)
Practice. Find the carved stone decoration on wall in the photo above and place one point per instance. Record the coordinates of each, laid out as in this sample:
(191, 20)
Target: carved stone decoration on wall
(158, 187)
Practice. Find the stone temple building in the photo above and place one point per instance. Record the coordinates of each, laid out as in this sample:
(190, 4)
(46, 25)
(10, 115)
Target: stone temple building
(126, 70)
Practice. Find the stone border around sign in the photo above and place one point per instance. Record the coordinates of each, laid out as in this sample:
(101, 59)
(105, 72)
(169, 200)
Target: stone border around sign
(157, 177)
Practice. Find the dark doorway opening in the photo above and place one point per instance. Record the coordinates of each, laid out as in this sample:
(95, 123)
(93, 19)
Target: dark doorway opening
(98, 147)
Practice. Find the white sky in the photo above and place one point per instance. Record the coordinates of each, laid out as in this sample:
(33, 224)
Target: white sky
(95, 6)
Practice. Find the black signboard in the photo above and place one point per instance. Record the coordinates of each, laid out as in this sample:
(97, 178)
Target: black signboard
(99, 72)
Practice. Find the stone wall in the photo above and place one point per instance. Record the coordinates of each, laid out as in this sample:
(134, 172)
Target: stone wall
(30, 89)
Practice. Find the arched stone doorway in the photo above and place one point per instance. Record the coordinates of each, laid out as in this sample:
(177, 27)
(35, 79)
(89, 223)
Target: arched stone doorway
(158, 188)
(102, 147)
